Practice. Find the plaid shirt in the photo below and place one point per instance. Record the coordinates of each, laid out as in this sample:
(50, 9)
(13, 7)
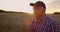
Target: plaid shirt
(46, 25)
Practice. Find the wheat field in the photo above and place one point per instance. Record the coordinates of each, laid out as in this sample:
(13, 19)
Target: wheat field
(14, 22)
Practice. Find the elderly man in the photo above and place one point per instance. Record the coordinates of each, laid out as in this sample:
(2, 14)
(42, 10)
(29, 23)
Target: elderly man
(42, 22)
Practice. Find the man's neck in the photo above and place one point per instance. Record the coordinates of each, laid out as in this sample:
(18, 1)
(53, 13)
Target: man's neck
(39, 18)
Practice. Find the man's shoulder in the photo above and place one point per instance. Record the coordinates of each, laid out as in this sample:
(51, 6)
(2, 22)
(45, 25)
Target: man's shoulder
(50, 19)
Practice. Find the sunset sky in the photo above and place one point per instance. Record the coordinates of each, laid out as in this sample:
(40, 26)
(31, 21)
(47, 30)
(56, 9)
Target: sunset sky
(23, 5)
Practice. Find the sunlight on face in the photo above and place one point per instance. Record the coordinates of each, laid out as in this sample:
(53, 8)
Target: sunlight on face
(38, 11)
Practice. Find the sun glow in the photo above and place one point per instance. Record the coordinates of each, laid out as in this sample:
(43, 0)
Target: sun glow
(22, 5)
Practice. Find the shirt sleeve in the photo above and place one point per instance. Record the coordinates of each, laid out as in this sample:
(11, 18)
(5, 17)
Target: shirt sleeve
(54, 26)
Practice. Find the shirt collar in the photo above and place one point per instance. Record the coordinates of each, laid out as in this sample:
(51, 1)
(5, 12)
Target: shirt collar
(42, 18)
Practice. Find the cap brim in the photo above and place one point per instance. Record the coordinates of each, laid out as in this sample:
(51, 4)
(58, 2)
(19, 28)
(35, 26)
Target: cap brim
(32, 4)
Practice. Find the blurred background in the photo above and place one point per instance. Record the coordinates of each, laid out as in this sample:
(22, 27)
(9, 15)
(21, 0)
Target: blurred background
(15, 15)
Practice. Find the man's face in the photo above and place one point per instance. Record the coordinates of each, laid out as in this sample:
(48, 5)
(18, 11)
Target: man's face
(38, 11)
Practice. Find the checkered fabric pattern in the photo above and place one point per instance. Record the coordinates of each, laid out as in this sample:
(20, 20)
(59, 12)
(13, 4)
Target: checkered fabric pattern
(46, 25)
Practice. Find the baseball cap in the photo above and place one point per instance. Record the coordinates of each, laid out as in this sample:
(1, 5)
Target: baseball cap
(38, 3)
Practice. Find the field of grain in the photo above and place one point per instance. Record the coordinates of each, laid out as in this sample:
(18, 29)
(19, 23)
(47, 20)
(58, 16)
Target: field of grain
(14, 22)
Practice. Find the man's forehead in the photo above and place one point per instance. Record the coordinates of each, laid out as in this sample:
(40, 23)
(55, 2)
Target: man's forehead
(36, 6)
